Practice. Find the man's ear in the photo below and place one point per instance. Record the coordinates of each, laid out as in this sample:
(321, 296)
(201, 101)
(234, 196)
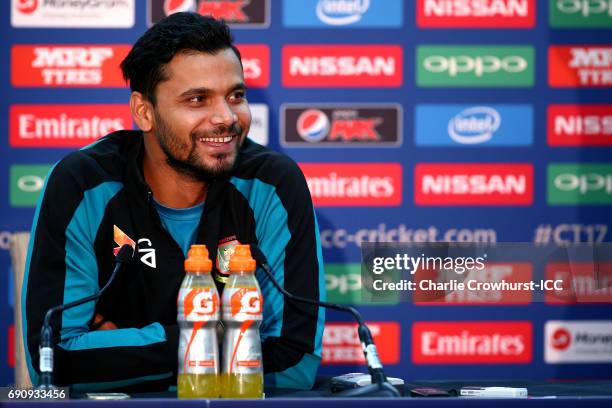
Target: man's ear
(142, 111)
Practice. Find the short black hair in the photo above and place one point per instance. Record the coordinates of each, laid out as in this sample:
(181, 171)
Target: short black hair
(144, 66)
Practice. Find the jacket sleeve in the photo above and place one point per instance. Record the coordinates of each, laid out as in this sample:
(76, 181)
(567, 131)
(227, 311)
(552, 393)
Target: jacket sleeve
(288, 235)
(61, 267)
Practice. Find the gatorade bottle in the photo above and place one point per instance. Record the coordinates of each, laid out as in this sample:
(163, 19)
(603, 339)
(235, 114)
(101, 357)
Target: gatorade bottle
(198, 315)
(242, 313)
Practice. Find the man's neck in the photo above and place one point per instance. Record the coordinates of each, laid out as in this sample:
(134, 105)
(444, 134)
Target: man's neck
(171, 188)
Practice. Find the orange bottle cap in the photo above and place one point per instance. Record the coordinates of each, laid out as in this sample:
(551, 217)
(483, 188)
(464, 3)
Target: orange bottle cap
(198, 260)
(241, 260)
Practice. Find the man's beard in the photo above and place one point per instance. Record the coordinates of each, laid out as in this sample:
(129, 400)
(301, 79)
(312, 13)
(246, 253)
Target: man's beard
(194, 166)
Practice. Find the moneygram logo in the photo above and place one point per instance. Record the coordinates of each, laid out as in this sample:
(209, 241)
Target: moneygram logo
(26, 183)
(237, 13)
(575, 184)
(341, 125)
(583, 282)
(585, 341)
(483, 14)
(342, 13)
(354, 184)
(72, 14)
(485, 66)
(43, 126)
(341, 344)
(580, 125)
(256, 64)
(579, 66)
(259, 130)
(580, 13)
(343, 285)
(342, 66)
(469, 125)
(67, 65)
(470, 342)
(473, 184)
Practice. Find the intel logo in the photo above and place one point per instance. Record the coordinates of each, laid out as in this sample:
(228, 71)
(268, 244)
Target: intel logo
(474, 125)
(341, 12)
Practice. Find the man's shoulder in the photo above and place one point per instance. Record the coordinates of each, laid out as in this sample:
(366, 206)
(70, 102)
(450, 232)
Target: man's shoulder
(103, 160)
(261, 162)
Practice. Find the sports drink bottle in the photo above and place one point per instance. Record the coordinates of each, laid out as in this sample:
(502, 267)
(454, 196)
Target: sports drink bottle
(198, 315)
(242, 313)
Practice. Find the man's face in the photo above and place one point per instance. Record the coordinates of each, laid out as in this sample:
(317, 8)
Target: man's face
(201, 114)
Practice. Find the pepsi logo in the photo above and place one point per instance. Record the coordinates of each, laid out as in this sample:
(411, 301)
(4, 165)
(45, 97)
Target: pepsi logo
(27, 6)
(175, 6)
(561, 339)
(313, 125)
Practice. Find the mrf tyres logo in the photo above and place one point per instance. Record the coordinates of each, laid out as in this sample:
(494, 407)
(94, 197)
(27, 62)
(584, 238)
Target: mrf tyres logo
(73, 13)
(67, 65)
(478, 66)
(256, 64)
(26, 183)
(470, 342)
(342, 65)
(237, 13)
(583, 282)
(42, 126)
(354, 184)
(580, 66)
(341, 343)
(474, 125)
(579, 125)
(585, 341)
(473, 184)
(580, 13)
(575, 184)
(476, 14)
(341, 125)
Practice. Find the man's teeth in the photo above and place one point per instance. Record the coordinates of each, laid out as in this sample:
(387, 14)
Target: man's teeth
(217, 139)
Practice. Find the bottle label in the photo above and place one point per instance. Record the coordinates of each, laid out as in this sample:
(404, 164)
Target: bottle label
(246, 303)
(199, 304)
(198, 350)
(242, 350)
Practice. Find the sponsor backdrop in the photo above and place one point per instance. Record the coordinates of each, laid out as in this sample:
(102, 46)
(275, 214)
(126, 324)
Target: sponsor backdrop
(413, 121)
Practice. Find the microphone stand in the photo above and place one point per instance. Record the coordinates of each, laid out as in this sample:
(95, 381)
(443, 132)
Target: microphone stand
(45, 349)
(379, 387)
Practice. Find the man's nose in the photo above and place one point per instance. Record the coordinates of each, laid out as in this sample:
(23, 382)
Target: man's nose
(223, 114)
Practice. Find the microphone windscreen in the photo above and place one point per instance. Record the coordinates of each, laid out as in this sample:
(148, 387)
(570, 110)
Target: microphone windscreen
(125, 253)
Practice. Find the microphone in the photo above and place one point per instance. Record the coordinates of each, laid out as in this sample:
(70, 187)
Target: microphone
(45, 349)
(379, 387)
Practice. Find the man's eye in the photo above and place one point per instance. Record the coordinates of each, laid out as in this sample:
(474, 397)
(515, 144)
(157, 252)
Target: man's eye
(238, 96)
(196, 99)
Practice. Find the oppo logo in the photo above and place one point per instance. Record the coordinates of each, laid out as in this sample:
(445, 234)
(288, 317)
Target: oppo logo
(584, 183)
(344, 284)
(30, 183)
(585, 7)
(479, 66)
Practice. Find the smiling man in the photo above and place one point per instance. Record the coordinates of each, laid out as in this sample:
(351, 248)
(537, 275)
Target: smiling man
(190, 175)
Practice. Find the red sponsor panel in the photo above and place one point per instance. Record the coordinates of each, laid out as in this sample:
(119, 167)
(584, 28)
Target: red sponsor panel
(44, 126)
(342, 65)
(10, 340)
(499, 283)
(580, 66)
(583, 282)
(473, 184)
(74, 65)
(476, 14)
(579, 125)
(354, 184)
(341, 343)
(256, 64)
(471, 342)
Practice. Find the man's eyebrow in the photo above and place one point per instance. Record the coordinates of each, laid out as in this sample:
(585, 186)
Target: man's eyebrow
(206, 91)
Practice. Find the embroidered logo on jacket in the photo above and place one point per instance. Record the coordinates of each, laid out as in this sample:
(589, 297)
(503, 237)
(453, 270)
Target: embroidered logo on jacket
(225, 250)
(121, 238)
(148, 257)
